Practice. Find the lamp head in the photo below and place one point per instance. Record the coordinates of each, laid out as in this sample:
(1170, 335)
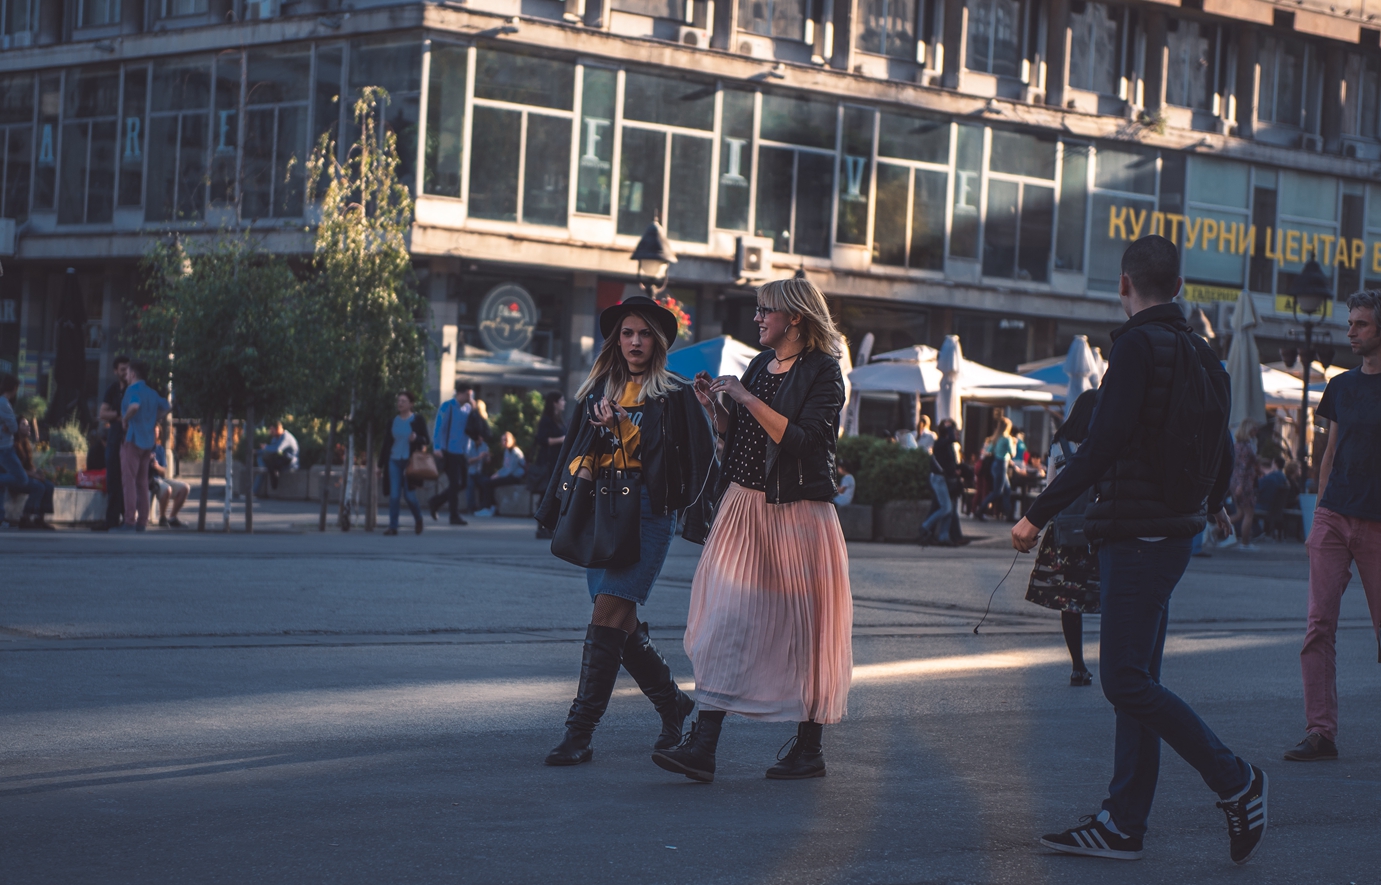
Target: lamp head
(1310, 289)
(653, 253)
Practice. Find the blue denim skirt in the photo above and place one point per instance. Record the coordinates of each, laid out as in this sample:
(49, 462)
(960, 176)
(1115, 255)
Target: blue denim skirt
(635, 581)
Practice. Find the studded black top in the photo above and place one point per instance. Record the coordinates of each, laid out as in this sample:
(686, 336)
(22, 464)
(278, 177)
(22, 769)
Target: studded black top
(747, 460)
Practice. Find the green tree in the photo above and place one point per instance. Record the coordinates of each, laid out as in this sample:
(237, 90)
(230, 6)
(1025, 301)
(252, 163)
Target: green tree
(369, 341)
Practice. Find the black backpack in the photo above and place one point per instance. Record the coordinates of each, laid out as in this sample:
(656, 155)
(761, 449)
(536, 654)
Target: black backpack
(1191, 442)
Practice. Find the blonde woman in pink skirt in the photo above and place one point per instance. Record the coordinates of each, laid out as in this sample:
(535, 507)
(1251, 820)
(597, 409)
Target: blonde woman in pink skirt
(771, 616)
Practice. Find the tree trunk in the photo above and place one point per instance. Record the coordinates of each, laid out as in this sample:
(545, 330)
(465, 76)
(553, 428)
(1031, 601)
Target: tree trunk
(249, 469)
(208, 427)
(348, 492)
(326, 477)
(371, 501)
(229, 470)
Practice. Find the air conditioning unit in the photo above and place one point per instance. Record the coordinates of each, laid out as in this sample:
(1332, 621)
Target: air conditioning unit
(257, 10)
(696, 38)
(1313, 143)
(753, 258)
(757, 47)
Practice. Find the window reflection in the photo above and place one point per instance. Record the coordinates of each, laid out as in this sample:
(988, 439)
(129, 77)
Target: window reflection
(775, 18)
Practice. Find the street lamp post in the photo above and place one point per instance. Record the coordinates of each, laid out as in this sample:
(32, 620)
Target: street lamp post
(1309, 291)
(654, 256)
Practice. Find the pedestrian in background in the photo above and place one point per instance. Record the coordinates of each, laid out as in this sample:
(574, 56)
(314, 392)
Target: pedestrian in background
(452, 443)
(40, 489)
(141, 409)
(1137, 455)
(275, 456)
(925, 439)
(170, 493)
(510, 473)
(109, 414)
(1246, 470)
(16, 476)
(407, 433)
(1347, 523)
(847, 484)
(1065, 577)
(771, 615)
(1003, 449)
(550, 436)
(635, 416)
(939, 527)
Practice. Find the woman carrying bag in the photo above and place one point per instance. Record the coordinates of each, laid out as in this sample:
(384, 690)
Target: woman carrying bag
(639, 431)
(406, 437)
(771, 615)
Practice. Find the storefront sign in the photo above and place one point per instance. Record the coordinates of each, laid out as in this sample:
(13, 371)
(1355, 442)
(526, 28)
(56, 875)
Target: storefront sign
(1286, 304)
(1210, 234)
(1199, 294)
(508, 317)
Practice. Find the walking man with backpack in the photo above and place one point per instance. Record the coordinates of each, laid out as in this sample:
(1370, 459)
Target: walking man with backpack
(1159, 457)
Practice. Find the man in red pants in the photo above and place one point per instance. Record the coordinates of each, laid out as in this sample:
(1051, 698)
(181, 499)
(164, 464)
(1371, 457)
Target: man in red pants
(1347, 523)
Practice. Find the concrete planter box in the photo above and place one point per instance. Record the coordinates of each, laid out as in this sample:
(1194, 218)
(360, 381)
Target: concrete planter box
(292, 484)
(73, 461)
(901, 520)
(856, 520)
(71, 506)
(514, 501)
(189, 469)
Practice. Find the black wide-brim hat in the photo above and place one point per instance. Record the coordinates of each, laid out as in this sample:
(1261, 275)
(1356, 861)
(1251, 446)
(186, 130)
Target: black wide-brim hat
(610, 317)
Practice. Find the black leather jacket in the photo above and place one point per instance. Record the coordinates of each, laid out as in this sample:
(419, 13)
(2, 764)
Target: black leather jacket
(678, 464)
(801, 466)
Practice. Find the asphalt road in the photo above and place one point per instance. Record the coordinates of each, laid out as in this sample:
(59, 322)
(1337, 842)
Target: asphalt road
(295, 707)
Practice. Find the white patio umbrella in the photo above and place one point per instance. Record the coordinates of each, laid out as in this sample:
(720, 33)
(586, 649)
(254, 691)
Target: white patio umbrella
(1244, 365)
(851, 401)
(846, 365)
(950, 364)
(1082, 368)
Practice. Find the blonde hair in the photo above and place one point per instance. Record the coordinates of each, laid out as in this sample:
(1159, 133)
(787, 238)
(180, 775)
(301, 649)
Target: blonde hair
(611, 369)
(800, 298)
(1246, 430)
(508, 440)
(1003, 428)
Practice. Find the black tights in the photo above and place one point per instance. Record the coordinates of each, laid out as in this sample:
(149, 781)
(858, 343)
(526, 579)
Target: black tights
(1073, 625)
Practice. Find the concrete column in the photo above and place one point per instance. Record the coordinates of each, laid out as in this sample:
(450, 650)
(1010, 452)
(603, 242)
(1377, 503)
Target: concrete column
(845, 14)
(1057, 53)
(1153, 89)
(956, 36)
(1331, 114)
(580, 333)
(444, 313)
(1246, 92)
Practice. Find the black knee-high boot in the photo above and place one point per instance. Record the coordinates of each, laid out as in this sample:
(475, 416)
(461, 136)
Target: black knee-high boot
(599, 667)
(805, 758)
(695, 757)
(653, 675)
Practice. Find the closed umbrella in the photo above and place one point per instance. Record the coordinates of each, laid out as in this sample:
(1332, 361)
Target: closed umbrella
(1081, 368)
(950, 364)
(846, 366)
(1244, 366)
(851, 401)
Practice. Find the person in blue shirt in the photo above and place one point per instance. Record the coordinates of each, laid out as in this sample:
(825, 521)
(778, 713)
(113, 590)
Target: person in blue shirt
(140, 411)
(452, 440)
(275, 456)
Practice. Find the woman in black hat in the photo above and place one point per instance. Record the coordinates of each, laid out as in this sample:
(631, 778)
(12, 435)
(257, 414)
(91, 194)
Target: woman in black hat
(634, 415)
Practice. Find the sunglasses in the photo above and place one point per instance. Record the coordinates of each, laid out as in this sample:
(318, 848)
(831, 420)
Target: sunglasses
(761, 312)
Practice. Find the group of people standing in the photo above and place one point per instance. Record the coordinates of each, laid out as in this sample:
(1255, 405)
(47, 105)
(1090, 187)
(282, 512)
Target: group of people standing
(770, 619)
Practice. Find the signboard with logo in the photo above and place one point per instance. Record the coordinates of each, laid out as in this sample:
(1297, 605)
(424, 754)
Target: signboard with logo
(507, 318)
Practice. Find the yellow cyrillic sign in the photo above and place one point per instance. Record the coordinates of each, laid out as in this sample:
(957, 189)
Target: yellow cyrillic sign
(1209, 294)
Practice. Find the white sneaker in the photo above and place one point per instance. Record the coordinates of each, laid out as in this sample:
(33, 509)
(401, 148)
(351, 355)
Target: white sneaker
(1249, 548)
(1229, 541)
(485, 513)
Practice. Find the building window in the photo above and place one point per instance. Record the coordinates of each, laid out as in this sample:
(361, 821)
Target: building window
(178, 134)
(888, 27)
(175, 8)
(396, 65)
(225, 128)
(1191, 77)
(912, 185)
(520, 151)
(796, 183)
(1020, 217)
(1217, 190)
(133, 123)
(1308, 225)
(1122, 209)
(86, 179)
(46, 149)
(735, 160)
(1288, 79)
(995, 37)
(968, 191)
(672, 9)
(277, 90)
(652, 159)
(774, 18)
(1362, 95)
(17, 144)
(95, 13)
(1069, 235)
(18, 21)
(595, 175)
(1096, 45)
(855, 177)
(441, 170)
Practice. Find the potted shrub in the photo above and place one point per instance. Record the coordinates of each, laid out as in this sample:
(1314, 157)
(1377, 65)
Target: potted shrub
(892, 480)
(68, 444)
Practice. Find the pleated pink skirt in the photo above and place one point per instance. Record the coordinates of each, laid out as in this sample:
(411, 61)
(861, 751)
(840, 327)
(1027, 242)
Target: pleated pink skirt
(771, 616)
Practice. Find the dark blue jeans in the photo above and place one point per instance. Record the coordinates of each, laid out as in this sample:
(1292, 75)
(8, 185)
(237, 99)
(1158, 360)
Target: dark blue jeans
(1137, 580)
(398, 488)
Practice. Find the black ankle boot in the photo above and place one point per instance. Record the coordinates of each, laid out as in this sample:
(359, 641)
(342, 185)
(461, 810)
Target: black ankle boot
(653, 675)
(804, 759)
(598, 669)
(695, 757)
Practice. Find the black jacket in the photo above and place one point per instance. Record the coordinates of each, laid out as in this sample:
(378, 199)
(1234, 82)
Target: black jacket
(1120, 458)
(677, 458)
(801, 466)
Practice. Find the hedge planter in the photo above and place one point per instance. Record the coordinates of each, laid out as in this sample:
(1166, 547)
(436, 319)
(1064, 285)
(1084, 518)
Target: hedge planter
(856, 520)
(188, 468)
(901, 520)
(73, 461)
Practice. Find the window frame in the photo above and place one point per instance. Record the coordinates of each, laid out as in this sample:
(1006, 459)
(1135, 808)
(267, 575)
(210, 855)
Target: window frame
(912, 166)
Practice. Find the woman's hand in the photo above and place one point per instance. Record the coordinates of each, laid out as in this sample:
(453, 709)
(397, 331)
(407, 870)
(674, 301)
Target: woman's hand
(732, 386)
(702, 390)
(608, 414)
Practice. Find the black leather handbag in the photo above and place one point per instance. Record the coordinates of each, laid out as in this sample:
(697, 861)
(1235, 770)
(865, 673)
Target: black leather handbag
(600, 523)
(1067, 527)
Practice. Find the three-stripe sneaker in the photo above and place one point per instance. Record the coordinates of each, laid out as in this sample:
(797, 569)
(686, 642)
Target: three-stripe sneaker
(1247, 818)
(1094, 839)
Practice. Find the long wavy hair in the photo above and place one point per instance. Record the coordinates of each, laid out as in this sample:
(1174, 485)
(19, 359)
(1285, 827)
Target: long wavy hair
(611, 370)
(801, 298)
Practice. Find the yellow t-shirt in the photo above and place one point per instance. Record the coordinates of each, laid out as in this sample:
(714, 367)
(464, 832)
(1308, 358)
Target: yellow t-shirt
(630, 433)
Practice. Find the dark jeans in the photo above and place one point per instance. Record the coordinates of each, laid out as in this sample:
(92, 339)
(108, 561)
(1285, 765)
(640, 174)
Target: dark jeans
(1137, 580)
(15, 479)
(1001, 495)
(457, 469)
(398, 488)
(273, 463)
(488, 484)
(114, 499)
